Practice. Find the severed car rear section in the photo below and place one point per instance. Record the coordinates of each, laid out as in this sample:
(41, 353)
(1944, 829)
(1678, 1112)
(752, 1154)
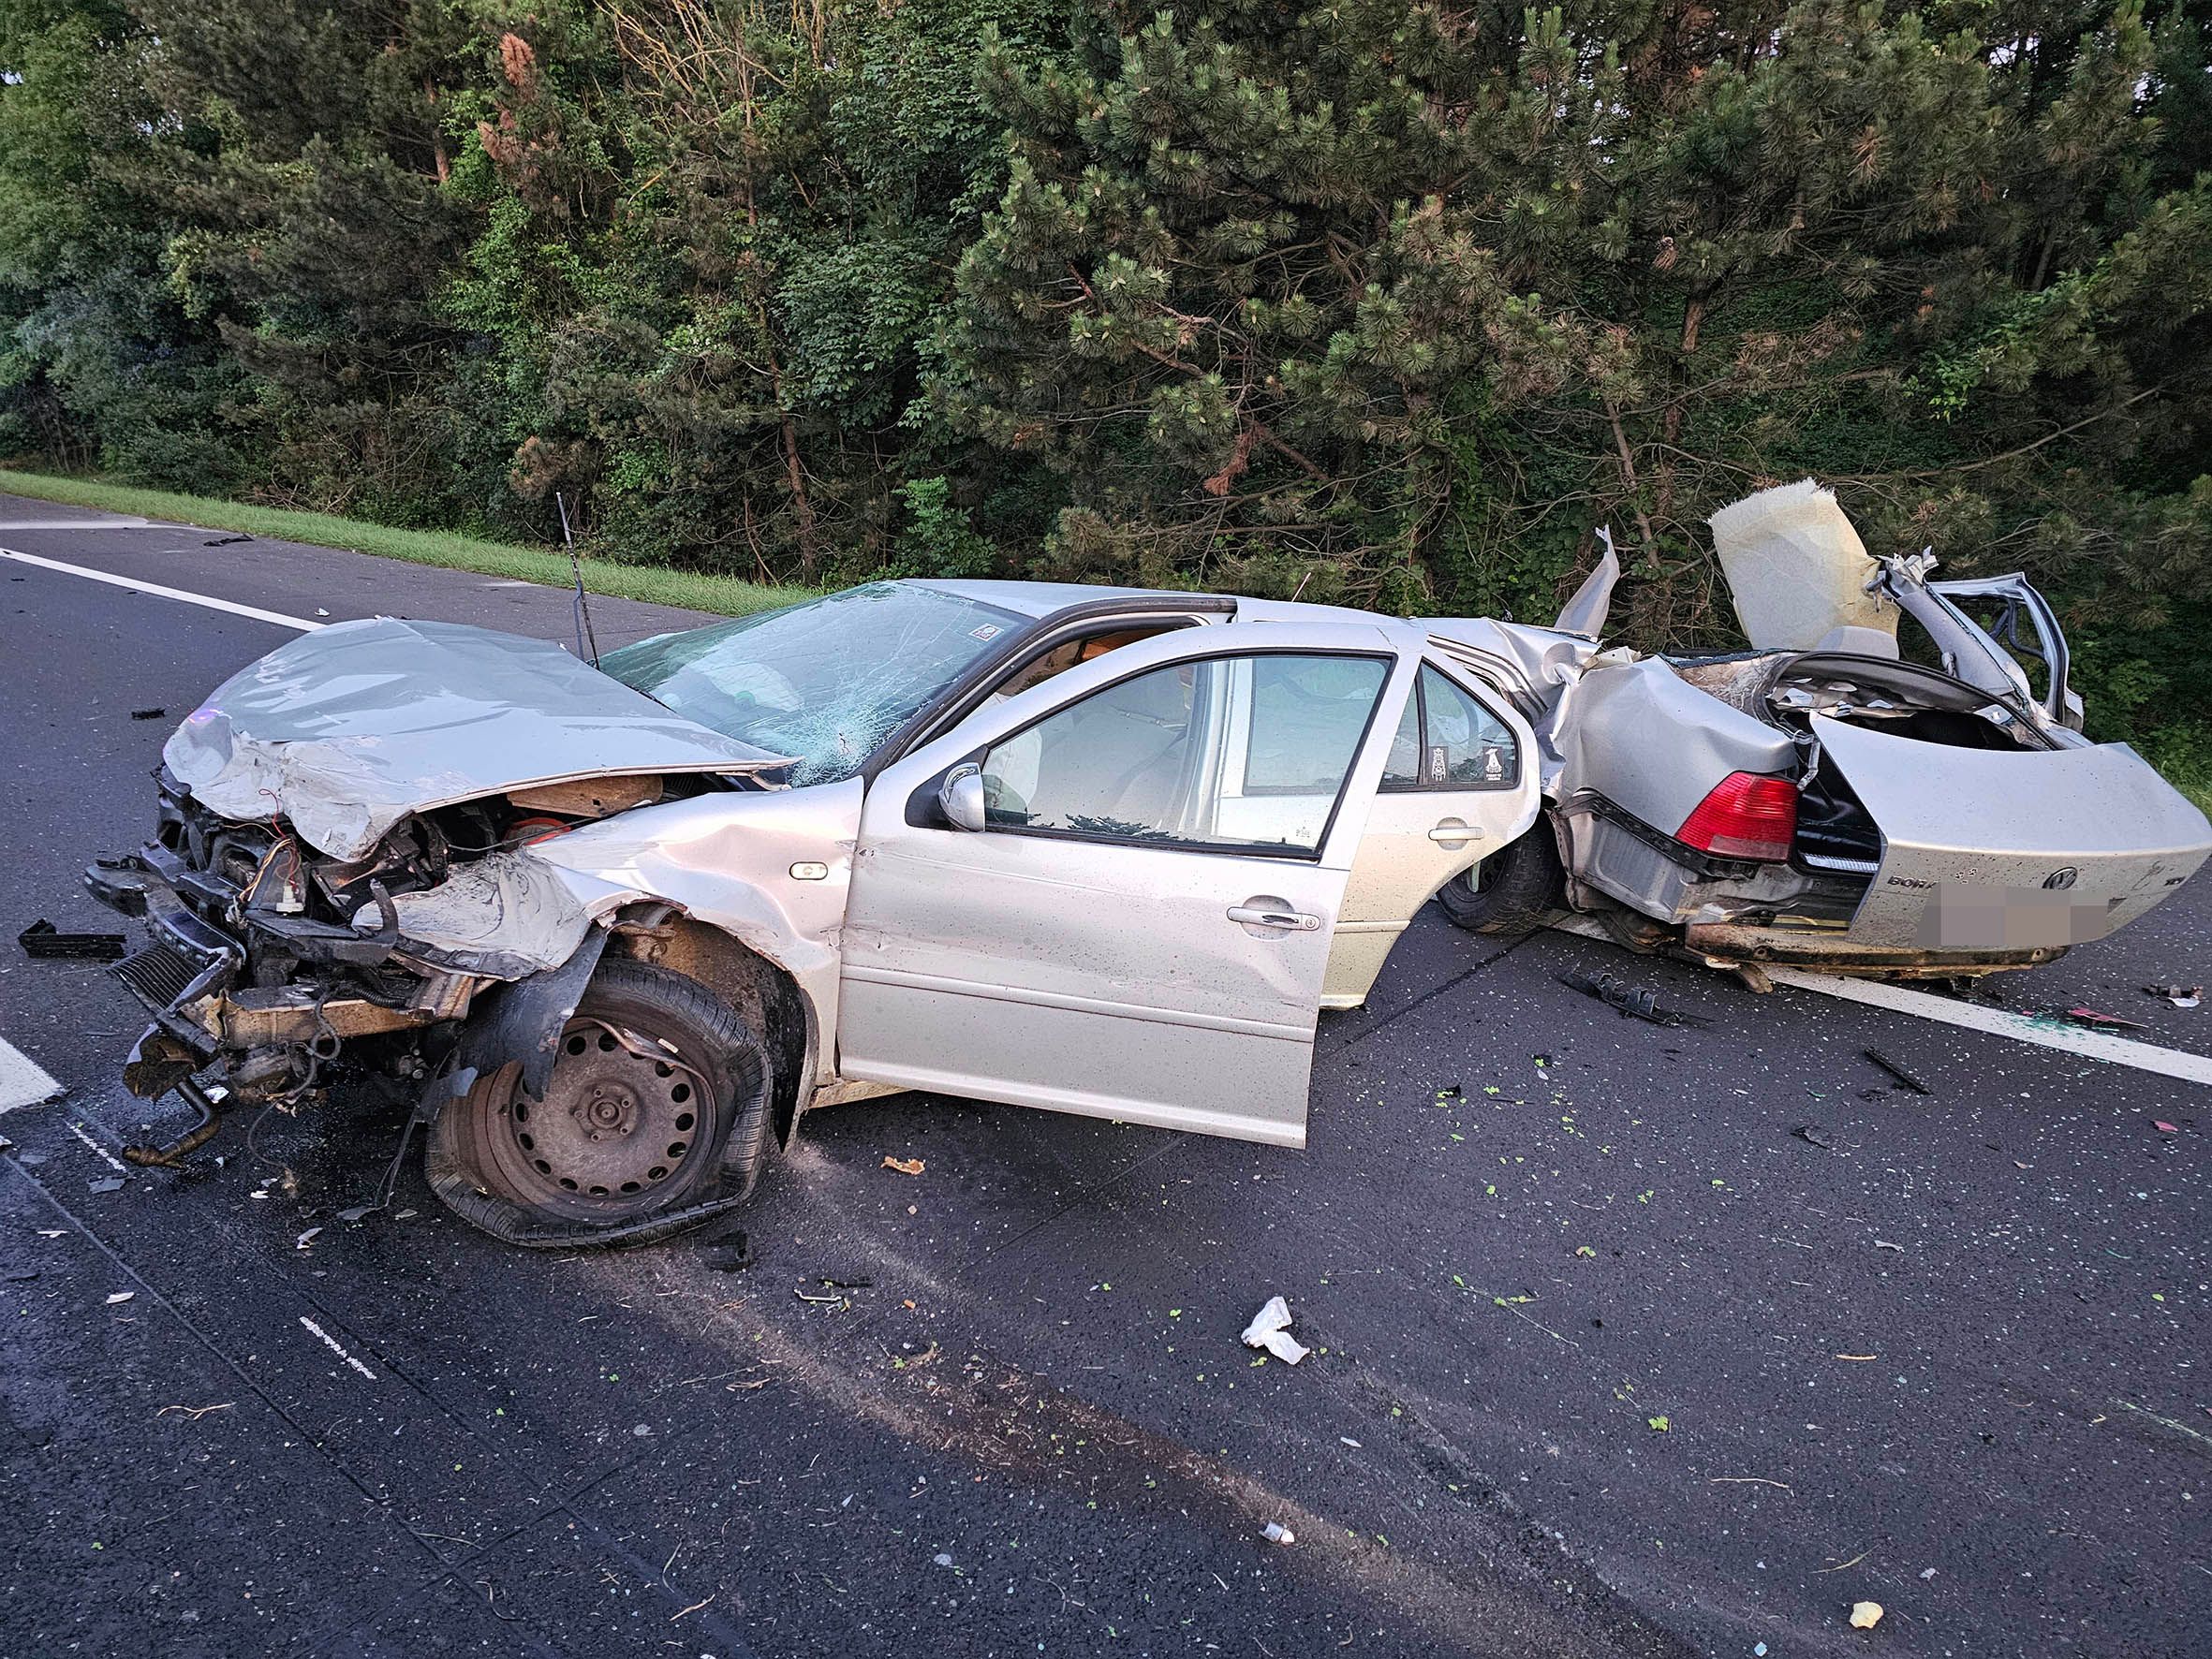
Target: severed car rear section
(1821, 799)
(1864, 816)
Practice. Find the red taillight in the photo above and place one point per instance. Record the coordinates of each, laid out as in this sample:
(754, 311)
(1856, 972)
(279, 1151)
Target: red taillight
(1746, 817)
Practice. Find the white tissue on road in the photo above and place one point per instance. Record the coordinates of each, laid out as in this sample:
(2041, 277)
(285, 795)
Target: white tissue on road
(1271, 1329)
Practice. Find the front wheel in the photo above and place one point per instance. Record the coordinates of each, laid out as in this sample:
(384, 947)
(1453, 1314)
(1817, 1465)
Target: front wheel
(1511, 890)
(658, 1094)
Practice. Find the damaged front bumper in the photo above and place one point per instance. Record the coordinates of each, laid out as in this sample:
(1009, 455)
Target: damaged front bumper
(266, 993)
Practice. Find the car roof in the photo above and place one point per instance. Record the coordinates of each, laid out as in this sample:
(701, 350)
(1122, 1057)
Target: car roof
(1041, 599)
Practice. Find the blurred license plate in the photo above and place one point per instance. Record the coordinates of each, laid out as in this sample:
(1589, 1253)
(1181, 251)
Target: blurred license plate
(1968, 916)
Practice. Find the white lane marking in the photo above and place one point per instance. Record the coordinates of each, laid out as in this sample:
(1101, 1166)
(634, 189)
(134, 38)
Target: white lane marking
(98, 1151)
(22, 1080)
(331, 1342)
(115, 523)
(2021, 1028)
(254, 612)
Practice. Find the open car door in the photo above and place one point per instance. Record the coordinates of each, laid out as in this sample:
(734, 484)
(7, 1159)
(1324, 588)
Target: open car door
(1460, 785)
(1114, 894)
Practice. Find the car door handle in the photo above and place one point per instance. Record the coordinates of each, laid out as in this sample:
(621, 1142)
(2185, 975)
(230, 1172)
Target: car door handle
(1295, 921)
(1452, 832)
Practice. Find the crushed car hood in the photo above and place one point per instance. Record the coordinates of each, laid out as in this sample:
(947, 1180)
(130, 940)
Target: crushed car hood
(348, 729)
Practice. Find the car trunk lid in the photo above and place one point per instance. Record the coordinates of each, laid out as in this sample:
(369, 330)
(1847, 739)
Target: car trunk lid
(346, 730)
(2004, 849)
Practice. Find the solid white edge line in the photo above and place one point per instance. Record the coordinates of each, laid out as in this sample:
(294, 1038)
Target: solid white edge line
(22, 1080)
(2022, 1028)
(252, 611)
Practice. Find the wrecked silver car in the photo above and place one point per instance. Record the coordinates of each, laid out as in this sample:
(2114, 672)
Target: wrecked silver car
(611, 930)
(614, 929)
(1841, 795)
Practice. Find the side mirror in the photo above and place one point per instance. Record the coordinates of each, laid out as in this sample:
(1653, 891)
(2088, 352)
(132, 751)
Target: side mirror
(961, 797)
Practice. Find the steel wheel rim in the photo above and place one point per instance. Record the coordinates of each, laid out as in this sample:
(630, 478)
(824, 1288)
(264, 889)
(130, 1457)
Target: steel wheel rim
(620, 1123)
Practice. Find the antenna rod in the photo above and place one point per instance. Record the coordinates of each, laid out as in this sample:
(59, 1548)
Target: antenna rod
(583, 615)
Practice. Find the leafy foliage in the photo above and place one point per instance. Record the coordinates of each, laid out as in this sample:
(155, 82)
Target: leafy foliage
(1388, 302)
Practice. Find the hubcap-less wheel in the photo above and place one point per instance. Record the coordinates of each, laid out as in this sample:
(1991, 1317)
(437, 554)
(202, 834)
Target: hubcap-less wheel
(620, 1118)
(658, 1098)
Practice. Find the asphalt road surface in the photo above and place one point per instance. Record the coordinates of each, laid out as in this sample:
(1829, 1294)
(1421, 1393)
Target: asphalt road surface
(1628, 1339)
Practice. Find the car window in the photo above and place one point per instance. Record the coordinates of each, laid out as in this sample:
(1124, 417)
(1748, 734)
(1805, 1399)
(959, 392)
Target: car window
(1446, 740)
(825, 681)
(1231, 753)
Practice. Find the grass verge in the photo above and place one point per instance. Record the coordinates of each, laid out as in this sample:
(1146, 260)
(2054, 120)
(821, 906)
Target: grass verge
(692, 590)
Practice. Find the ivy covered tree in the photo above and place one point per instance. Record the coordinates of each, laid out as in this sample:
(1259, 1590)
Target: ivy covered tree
(718, 241)
(1385, 301)
(1401, 300)
(99, 364)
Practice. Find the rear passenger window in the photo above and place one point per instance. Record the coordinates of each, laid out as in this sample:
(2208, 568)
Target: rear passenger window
(1446, 740)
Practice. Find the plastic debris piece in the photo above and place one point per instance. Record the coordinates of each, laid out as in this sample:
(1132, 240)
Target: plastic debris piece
(306, 1239)
(320, 611)
(1347, 1440)
(44, 941)
(1866, 1615)
(1274, 1531)
(1813, 1135)
(107, 1183)
(1926, 1573)
(1633, 1001)
(1902, 1073)
(1885, 1244)
(2181, 996)
(153, 713)
(943, 1561)
(905, 1166)
(1271, 1329)
(357, 1212)
(732, 1253)
(2092, 1019)
(121, 1296)
(2163, 1127)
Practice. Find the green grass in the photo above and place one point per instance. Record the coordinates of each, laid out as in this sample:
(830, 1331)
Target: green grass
(656, 585)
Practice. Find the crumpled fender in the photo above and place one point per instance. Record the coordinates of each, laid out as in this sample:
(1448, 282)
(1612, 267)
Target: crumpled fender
(518, 1023)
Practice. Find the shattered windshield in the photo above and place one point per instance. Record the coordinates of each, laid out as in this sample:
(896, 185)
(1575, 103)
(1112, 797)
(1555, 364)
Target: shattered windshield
(824, 683)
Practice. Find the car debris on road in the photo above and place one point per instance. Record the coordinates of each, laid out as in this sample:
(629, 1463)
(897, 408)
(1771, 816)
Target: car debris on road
(611, 932)
(1270, 1328)
(42, 941)
(1630, 1001)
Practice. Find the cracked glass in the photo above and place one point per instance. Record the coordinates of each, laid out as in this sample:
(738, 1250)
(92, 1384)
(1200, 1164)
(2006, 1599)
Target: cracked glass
(824, 683)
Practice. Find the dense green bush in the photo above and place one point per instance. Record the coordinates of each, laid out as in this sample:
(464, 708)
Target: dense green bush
(1396, 302)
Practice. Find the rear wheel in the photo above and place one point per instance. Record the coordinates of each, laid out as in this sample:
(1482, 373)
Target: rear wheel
(658, 1088)
(1511, 890)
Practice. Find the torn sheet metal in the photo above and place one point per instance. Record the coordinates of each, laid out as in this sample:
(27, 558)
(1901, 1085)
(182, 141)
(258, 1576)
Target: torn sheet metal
(346, 730)
(505, 915)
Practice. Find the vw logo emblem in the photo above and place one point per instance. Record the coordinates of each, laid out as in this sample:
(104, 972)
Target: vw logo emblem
(2062, 878)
